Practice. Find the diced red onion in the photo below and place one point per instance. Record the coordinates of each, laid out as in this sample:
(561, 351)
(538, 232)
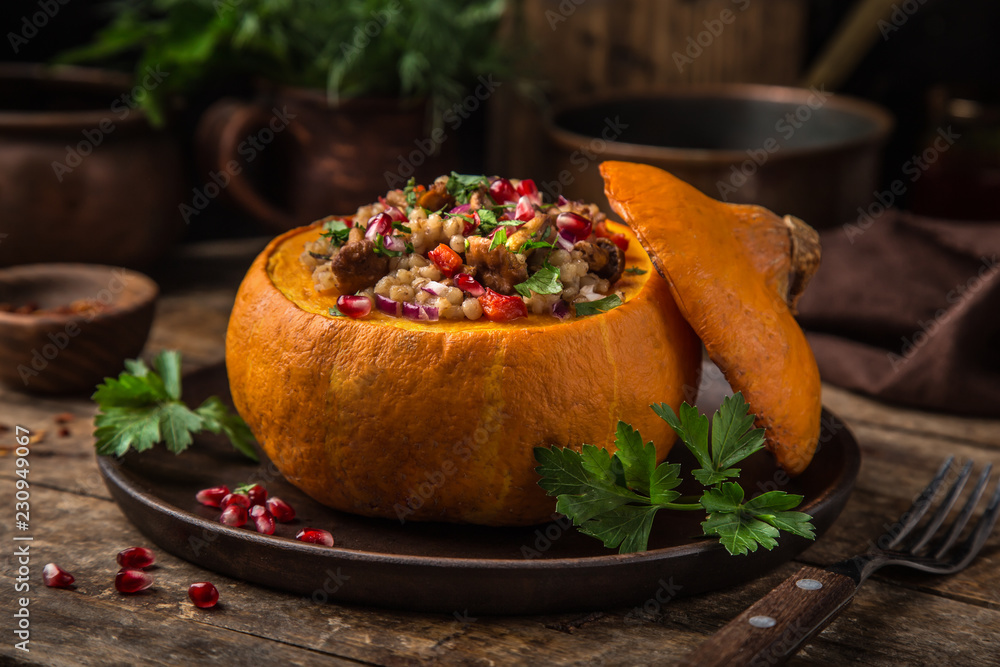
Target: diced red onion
(574, 225)
(562, 201)
(396, 214)
(418, 313)
(435, 288)
(560, 309)
(387, 305)
(458, 210)
(525, 210)
(562, 241)
(469, 284)
(394, 243)
(378, 224)
(588, 293)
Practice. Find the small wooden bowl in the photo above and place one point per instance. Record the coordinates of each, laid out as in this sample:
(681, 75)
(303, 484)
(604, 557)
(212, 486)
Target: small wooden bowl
(50, 352)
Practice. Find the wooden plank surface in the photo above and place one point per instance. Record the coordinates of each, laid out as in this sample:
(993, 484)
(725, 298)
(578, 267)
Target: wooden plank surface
(896, 618)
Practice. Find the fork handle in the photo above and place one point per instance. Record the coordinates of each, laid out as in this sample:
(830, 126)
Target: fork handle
(773, 629)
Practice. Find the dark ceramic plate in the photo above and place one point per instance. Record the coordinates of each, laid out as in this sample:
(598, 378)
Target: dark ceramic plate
(446, 567)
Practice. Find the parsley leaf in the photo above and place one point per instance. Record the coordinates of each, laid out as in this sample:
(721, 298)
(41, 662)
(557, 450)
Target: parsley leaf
(531, 245)
(333, 311)
(461, 186)
(410, 192)
(635, 270)
(499, 239)
(488, 221)
(401, 227)
(615, 497)
(733, 438)
(588, 308)
(336, 231)
(142, 407)
(544, 281)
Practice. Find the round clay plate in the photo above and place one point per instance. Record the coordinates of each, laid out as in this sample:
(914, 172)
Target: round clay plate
(445, 567)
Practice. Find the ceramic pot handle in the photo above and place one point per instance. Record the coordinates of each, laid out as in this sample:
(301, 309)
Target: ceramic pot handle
(221, 130)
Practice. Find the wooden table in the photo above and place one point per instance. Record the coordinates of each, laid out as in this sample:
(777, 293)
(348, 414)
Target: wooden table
(897, 618)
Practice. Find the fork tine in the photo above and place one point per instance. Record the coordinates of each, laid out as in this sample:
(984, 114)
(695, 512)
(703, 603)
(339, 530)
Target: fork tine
(919, 508)
(980, 534)
(966, 513)
(944, 509)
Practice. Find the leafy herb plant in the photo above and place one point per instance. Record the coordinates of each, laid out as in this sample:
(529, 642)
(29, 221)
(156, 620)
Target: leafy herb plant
(351, 48)
(615, 497)
(143, 407)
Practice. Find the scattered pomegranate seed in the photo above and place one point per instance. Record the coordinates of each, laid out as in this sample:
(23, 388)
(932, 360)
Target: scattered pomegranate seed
(281, 510)
(257, 495)
(262, 519)
(315, 536)
(240, 499)
(502, 191)
(136, 558)
(213, 496)
(354, 306)
(469, 284)
(528, 189)
(577, 226)
(132, 581)
(234, 515)
(56, 577)
(525, 210)
(203, 594)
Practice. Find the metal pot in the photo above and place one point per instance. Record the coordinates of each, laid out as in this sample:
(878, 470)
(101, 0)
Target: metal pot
(804, 152)
(83, 176)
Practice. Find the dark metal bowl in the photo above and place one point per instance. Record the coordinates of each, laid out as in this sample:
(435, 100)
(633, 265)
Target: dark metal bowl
(796, 151)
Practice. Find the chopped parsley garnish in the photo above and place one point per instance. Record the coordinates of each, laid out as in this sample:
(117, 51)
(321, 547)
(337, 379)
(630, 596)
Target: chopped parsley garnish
(461, 186)
(401, 227)
(499, 239)
(544, 281)
(532, 245)
(635, 270)
(336, 231)
(587, 308)
(143, 406)
(488, 221)
(615, 497)
(335, 312)
(410, 192)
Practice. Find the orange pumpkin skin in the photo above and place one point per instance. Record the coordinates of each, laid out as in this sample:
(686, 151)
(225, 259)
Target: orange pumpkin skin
(438, 421)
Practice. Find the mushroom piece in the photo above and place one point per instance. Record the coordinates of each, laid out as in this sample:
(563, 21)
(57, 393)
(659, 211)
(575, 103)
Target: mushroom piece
(604, 258)
(357, 267)
(498, 269)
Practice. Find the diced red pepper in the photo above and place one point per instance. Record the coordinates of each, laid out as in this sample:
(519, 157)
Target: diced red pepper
(445, 259)
(500, 308)
(619, 240)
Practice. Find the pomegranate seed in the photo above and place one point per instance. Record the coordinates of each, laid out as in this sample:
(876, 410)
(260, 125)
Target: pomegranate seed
(527, 188)
(241, 499)
(575, 225)
(234, 515)
(136, 558)
(469, 284)
(470, 224)
(525, 210)
(263, 520)
(354, 306)
(56, 577)
(502, 191)
(204, 594)
(315, 536)
(257, 495)
(281, 510)
(378, 224)
(132, 581)
(213, 496)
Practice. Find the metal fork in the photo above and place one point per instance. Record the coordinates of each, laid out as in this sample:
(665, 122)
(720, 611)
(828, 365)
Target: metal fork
(774, 628)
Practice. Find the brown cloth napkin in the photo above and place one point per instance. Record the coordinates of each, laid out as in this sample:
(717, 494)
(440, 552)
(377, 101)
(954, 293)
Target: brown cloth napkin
(907, 309)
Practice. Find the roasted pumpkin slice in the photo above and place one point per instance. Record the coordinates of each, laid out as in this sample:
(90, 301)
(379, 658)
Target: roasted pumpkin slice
(735, 272)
